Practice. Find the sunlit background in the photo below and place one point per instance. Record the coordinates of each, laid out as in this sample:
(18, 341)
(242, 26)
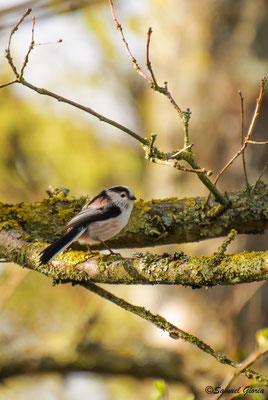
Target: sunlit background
(207, 50)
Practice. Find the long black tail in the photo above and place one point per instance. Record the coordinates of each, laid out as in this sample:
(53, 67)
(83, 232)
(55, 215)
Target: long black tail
(60, 244)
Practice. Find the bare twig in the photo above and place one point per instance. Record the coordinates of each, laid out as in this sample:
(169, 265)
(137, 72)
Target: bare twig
(21, 80)
(31, 46)
(152, 81)
(172, 163)
(182, 150)
(158, 155)
(184, 115)
(132, 59)
(148, 62)
(46, 43)
(9, 83)
(250, 130)
(252, 358)
(253, 142)
(195, 171)
(86, 109)
(259, 177)
(13, 30)
(242, 139)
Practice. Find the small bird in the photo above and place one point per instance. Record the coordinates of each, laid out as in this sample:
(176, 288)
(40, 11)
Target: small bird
(99, 220)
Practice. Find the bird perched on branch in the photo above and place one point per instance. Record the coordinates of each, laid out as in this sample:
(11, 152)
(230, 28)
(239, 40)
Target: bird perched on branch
(99, 220)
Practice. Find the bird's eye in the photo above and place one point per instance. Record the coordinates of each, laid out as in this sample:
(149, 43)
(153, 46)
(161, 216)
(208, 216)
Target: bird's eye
(123, 194)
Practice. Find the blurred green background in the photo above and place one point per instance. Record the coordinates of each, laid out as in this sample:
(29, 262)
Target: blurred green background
(207, 50)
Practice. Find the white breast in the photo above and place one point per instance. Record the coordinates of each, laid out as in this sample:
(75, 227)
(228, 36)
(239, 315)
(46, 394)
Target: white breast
(104, 230)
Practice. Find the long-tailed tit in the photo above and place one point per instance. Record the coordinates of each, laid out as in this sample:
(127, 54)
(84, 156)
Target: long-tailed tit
(99, 220)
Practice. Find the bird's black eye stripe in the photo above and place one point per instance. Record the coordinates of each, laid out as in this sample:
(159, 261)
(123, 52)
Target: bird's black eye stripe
(123, 189)
(120, 190)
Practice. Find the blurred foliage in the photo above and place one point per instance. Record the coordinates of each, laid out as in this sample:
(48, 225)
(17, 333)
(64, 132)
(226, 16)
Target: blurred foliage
(206, 50)
(38, 149)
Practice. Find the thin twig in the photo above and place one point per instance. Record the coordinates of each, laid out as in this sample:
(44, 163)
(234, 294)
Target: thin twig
(171, 162)
(186, 115)
(132, 59)
(259, 177)
(148, 62)
(21, 80)
(195, 171)
(253, 142)
(223, 247)
(181, 151)
(186, 156)
(164, 90)
(9, 83)
(250, 130)
(86, 109)
(244, 365)
(242, 139)
(31, 46)
(13, 30)
(46, 43)
(173, 331)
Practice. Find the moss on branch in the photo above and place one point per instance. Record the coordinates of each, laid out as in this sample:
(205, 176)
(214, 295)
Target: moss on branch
(26, 228)
(80, 267)
(152, 223)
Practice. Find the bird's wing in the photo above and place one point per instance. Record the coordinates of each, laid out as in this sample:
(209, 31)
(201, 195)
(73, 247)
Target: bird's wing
(93, 214)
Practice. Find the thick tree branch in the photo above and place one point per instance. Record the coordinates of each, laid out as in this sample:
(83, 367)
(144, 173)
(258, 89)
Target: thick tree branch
(80, 267)
(14, 248)
(95, 358)
(152, 223)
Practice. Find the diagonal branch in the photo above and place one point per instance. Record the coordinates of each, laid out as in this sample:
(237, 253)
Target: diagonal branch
(42, 91)
(152, 81)
(14, 248)
(151, 152)
(8, 83)
(250, 130)
(252, 358)
(15, 28)
(31, 46)
(85, 109)
(132, 58)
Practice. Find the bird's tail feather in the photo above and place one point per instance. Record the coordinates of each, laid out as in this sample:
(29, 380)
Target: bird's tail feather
(55, 248)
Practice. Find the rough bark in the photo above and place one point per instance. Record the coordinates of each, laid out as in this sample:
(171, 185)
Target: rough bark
(152, 223)
(80, 267)
(24, 227)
